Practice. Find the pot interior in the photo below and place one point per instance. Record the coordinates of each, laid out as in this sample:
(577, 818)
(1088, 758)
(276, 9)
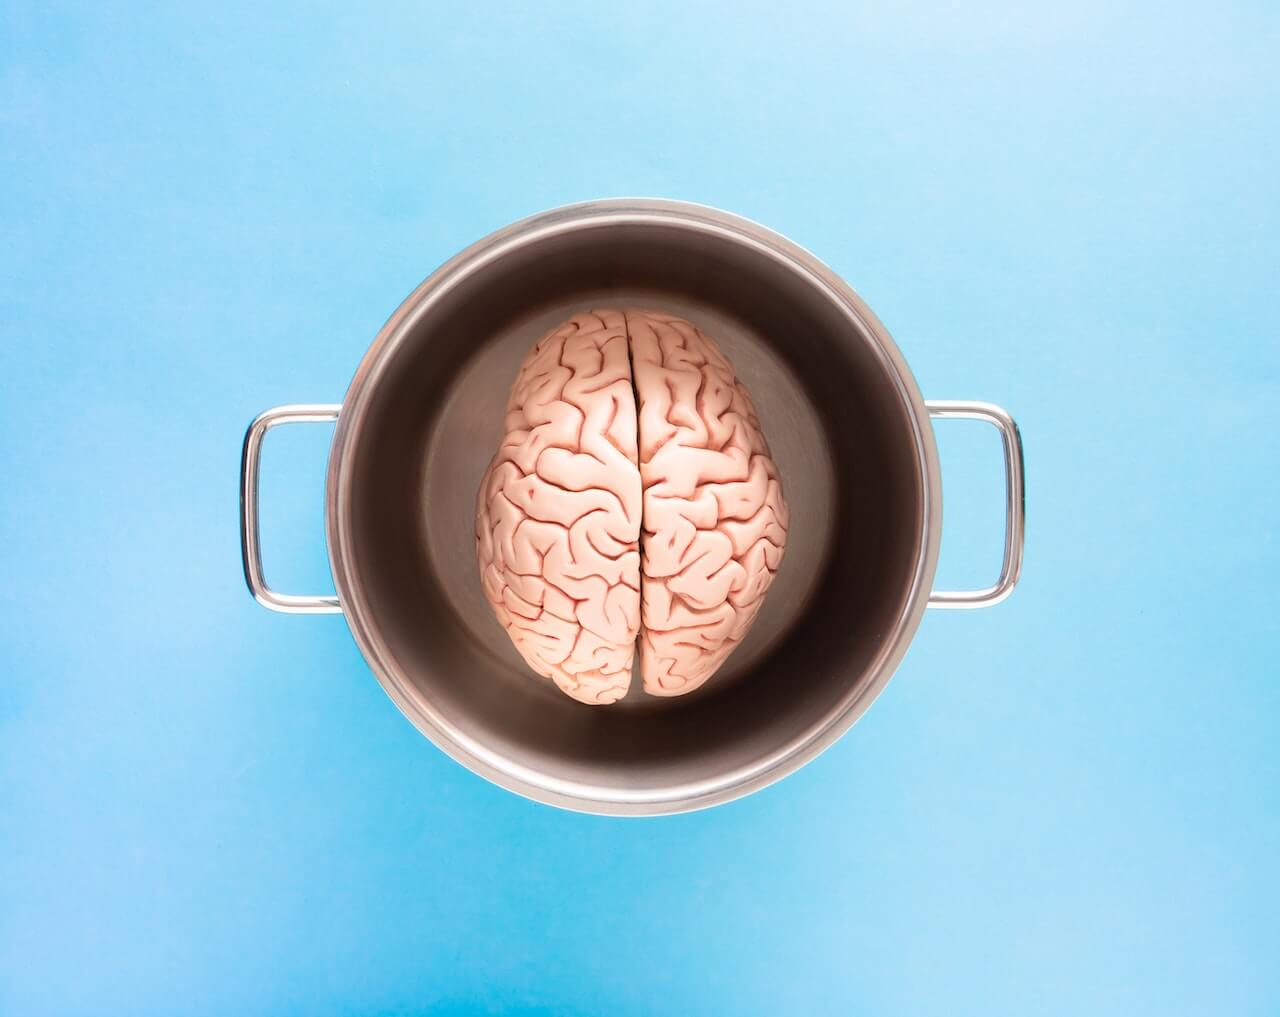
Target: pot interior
(840, 430)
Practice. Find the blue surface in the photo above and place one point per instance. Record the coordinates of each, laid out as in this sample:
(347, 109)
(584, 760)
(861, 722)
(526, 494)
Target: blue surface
(1070, 804)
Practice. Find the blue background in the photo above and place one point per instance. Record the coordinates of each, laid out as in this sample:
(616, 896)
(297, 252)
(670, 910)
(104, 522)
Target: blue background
(1069, 804)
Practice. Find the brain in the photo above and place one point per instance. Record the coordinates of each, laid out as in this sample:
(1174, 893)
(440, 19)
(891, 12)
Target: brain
(633, 503)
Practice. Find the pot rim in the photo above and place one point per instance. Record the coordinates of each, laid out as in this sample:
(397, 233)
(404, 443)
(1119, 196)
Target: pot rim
(492, 765)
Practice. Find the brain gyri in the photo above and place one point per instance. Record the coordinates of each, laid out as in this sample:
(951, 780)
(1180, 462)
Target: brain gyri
(633, 504)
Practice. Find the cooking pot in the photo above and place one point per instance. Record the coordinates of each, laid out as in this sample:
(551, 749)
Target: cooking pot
(850, 433)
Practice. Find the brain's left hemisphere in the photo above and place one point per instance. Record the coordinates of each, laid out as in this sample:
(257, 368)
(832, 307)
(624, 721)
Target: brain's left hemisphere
(558, 513)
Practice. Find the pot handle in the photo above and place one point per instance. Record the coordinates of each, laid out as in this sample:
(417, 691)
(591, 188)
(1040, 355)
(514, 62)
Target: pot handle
(250, 546)
(1015, 503)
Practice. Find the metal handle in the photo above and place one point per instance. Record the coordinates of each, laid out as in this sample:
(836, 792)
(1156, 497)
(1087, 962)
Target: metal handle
(250, 546)
(1015, 503)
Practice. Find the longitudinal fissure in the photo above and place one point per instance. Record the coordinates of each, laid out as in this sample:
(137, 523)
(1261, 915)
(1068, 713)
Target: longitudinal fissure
(635, 401)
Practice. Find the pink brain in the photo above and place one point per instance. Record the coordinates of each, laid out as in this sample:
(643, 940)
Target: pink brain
(632, 503)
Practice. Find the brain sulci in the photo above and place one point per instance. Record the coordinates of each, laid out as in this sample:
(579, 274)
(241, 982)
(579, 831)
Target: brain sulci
(632, 510)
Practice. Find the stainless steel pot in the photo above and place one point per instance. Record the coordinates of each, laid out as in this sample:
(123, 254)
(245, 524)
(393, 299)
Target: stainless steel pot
(851, 436)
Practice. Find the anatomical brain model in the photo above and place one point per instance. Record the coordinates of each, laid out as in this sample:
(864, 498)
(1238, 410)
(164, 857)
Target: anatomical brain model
(633, 503)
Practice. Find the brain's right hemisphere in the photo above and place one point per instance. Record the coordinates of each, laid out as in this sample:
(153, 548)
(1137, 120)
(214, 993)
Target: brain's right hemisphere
(633, 503)
(714, 520)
